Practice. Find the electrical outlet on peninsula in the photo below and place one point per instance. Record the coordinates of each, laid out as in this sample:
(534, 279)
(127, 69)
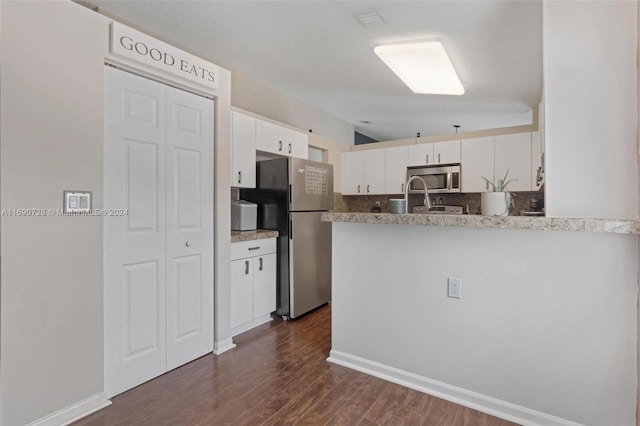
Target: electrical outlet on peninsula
(454, 288)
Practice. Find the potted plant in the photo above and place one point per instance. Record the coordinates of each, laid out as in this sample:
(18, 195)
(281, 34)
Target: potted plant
(498, 201)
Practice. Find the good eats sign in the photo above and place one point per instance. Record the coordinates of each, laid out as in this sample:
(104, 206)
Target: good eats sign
(139, 47)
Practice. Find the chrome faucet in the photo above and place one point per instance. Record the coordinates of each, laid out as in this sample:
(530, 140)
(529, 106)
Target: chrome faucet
(427, 202)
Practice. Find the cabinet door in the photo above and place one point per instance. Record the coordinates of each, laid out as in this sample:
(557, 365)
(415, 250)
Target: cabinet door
(243, 140)
(241, 292)
(421, 154)
(513, 152)
(536, 161)
(397, 160)
(270, 137)
(446, 152)
(353, 173)
(297, 144)
(374, 171)
(476, 161)
(264, 285)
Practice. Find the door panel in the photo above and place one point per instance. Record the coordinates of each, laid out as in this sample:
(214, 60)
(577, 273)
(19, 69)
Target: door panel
(189, 284)
(134, 245)
(189, 226)
(141, 299)
(141, 185)
(241, 292)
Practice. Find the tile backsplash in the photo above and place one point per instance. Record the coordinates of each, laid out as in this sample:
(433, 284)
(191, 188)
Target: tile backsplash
(364, 203)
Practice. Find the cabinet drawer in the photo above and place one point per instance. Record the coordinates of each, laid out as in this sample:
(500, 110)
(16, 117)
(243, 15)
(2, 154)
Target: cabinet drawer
(253, 248)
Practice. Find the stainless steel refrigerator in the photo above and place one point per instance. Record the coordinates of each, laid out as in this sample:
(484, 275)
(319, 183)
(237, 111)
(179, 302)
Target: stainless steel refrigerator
(291, 193)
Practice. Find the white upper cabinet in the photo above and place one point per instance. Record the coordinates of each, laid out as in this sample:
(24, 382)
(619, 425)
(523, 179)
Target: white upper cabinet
(374, 171)
(281, 140)
(477, 160)
(446, 152)
(243, 137)
(420, 154)
(353, 173)
(297, 144)
(430, 154)
(513, 153)
(270, 137)
(397, 160)
(363, 172)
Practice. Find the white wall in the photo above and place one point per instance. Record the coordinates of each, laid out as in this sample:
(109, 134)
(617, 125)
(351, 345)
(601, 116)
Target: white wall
(590, 80)
(253, 96)
(547, 320)
(51, 139)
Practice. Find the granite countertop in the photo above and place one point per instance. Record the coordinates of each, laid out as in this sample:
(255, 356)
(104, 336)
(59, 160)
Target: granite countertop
(256, 234)
(615, 226)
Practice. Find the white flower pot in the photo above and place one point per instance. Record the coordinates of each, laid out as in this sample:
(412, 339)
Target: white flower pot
(495, 203)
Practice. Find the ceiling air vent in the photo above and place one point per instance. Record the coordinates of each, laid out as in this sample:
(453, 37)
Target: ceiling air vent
(369, 19)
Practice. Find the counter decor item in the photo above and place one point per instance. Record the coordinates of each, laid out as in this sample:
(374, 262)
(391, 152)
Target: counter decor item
(497, 202)
(397, 205)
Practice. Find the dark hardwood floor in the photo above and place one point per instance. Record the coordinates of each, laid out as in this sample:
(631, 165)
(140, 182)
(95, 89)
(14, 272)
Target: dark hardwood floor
(278, 375)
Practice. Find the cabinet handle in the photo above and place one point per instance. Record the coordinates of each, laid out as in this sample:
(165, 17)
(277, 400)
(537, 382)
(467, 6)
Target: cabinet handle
(367, 189)
(402, 186)
(279, 145)
(358, 189)
(246, 267)
(486, 184)
(438, 158)
(254, 248)
(260, 268)
(427, 159)
(289, 148)
(240, 177)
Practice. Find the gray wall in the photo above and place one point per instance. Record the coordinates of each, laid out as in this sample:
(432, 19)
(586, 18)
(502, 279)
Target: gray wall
(50, 140)
(253, 96)
(547, 319)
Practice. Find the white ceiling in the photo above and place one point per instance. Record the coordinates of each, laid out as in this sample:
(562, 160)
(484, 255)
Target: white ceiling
(316, 51)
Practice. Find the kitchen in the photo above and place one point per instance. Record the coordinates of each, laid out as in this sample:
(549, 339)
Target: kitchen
(574, 143)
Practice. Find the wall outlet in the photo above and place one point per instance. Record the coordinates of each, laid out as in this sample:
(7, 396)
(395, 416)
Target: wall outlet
(454, 288)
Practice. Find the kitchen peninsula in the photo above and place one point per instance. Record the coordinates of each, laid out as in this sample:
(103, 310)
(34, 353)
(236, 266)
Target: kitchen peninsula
(544, 332)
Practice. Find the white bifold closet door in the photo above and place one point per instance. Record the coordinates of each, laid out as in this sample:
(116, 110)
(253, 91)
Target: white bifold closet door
(158, 259)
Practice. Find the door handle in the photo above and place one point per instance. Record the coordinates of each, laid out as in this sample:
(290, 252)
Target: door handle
(260, 268)
(358, 189)
(402, 186)
(438, 158)
(367, 189)
(240, 177)
(427, 159)
(188, 244)
(246, 267)
(486, 184)
(289, 148)
(279, 145)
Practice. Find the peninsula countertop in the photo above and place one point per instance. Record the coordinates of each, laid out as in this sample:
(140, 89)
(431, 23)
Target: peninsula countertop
(614, 226)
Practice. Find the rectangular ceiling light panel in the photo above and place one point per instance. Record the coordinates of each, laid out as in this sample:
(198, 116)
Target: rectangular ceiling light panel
(423, 66)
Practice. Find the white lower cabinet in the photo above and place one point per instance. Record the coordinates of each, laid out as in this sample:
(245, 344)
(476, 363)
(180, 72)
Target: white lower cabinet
(253, 283)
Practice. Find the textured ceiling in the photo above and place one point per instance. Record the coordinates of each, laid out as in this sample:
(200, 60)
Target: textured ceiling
(316, 51)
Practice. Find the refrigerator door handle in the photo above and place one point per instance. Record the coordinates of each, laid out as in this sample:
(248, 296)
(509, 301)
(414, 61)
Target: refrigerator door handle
(290, 230)
(290, 195)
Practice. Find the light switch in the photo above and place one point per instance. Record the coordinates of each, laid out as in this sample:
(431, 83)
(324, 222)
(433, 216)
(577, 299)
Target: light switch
(77, 201)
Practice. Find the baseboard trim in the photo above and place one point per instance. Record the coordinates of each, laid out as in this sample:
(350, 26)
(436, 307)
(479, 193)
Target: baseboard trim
(251, 324)
(223, 346)
(74, 412)
(496, 407)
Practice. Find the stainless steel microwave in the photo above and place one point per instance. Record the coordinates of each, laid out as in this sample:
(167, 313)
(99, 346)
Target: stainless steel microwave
(444, 178)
